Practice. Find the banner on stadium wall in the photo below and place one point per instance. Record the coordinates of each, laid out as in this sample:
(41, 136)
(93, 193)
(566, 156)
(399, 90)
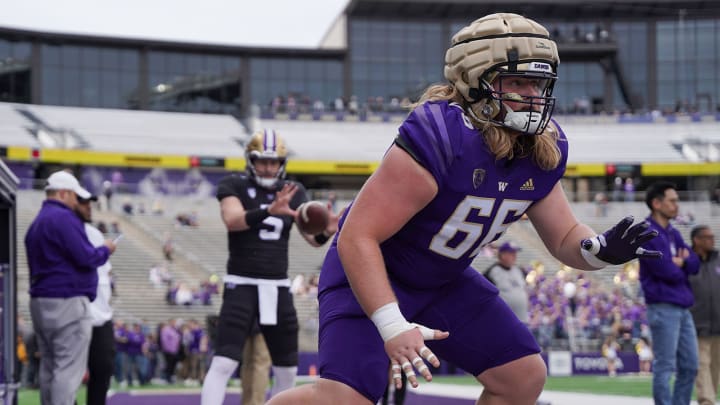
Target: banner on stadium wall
(560, 363)
(595, 363)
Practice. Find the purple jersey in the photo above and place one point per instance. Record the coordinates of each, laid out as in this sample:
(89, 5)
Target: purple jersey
(478, 198)
(428, 260)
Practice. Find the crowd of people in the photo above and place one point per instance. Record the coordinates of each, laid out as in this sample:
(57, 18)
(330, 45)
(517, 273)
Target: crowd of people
(302, 104)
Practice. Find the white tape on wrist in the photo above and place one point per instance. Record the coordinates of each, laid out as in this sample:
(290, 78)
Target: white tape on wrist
(589, 255)
(389, 321)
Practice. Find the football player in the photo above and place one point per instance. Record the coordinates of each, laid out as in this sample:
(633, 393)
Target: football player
(258, 209)
(473, 157)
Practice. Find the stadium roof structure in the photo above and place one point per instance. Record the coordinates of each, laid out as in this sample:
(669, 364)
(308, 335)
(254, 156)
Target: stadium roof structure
(267, 24)
(570, 10)
(128, 131)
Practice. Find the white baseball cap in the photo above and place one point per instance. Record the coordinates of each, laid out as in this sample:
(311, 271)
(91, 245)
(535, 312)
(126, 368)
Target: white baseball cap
(63, 180)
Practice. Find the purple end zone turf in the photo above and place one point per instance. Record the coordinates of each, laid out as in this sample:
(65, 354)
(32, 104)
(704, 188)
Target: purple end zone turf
(140, 398)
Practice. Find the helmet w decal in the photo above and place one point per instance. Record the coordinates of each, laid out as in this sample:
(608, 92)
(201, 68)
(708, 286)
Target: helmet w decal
(503, 46)
(266, 144)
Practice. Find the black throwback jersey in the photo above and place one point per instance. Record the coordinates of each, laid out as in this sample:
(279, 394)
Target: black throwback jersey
(262, 251)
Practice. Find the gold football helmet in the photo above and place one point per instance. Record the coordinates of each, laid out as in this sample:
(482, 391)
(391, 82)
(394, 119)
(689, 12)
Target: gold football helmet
(503, 46)
(266, 144)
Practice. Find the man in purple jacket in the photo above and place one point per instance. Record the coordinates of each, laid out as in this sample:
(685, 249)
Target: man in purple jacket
(665, 283)
(63, 281)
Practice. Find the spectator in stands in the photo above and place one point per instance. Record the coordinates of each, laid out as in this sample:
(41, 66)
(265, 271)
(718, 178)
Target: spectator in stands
(107, 188)
(298, 286)
(170, 345)
(157, 207)
(332, 200)
(706, 313)
(601, 205)
(28, 373)
(120, 335)
(196, 352)
(469, 161)
(183, 294)
(509, 279)
(668, 296)
(101, 356)
(111, 276)
(183, 219)
(353, 106)
(102, 227)
(160, 276)
(617, 189)
(135, 351)
(152, 350)
(629, 188)
(63, 281)
(258, 209)
(168, 247)
(127, 207)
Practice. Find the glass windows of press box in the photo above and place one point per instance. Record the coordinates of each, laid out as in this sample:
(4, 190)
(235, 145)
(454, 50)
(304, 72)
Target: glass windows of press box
(394, 59)
(190, 82)
(294, 84)
(688, 53)
(89, 76)
(632, 38)
(15, 70)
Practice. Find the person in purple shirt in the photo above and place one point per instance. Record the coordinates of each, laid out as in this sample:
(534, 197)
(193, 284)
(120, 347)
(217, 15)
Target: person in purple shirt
(666, 286)
(63, 281)
(170, 341)
(135, 355)
(474, 156)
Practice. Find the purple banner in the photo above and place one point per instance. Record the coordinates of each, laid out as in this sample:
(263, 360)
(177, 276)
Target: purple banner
(595, 363)
(586, 363)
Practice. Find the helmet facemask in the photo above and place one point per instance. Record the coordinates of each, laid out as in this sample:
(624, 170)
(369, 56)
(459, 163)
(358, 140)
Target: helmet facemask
(266, 145)
(529, 91)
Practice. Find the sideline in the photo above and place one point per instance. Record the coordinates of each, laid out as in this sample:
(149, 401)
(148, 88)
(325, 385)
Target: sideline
(454, 394)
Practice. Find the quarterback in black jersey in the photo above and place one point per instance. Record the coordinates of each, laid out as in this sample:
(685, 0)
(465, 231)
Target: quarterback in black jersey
(258, 209)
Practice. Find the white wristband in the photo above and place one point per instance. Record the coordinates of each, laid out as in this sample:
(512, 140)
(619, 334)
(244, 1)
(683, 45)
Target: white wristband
(389, 321)
(589, 255)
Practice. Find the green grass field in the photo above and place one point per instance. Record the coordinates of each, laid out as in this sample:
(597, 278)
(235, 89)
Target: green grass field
(630, 385)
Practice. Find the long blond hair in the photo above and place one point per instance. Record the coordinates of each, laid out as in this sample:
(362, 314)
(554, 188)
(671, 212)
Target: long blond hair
(502, 142)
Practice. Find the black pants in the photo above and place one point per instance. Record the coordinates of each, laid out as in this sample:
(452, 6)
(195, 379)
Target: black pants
(171, 360)
(101, 363)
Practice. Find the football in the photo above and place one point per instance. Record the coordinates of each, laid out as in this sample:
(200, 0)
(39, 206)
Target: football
(312, 217)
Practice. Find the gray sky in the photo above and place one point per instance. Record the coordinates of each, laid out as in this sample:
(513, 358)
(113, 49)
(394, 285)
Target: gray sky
(271, 23)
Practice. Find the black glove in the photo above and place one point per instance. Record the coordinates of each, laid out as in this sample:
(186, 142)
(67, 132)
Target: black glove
(619, 244)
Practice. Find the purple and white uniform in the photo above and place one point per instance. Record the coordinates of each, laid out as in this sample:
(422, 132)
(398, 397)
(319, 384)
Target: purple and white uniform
(428, 260)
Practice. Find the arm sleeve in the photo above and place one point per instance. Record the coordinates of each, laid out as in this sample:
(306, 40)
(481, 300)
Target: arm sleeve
(77, 245)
